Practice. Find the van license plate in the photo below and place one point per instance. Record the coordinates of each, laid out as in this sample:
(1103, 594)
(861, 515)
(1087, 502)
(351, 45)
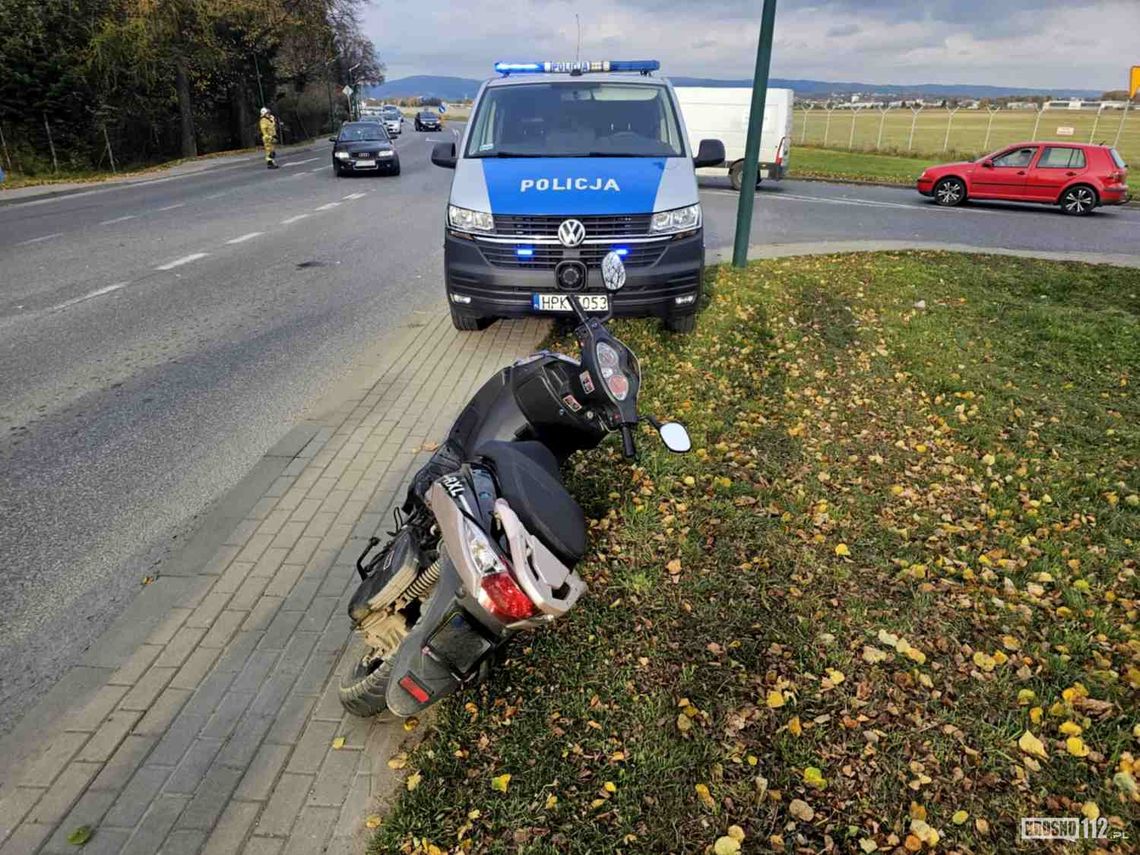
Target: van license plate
(560, 302)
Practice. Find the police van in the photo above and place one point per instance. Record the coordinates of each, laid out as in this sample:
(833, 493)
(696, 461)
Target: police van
(560, 164)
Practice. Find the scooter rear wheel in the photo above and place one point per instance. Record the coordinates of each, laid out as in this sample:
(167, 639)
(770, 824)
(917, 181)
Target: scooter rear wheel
(362, 691)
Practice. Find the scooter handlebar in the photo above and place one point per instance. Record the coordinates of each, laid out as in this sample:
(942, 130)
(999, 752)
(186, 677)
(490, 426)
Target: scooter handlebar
(629, 449)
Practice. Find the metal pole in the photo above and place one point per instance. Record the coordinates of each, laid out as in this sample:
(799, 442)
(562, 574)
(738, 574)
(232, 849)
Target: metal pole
(755, 128)
(803, 135)
(578, 50)
(989, 125)
(913, 121)
(827, 125)
(110, 154)
(949, 122)
(260, 91)
(882, 120)
(1096, 122)
(1037, 121)
(51, 145)
(8, 157)
(851, 138)
(1116, 141)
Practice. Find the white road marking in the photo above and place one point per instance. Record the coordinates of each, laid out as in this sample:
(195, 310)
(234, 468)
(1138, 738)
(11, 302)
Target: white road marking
(292, 220)
(90, 296)
(172, 207)
(321, 168)
(118, 220)
(328, 207)
(178, 262)
(215, 196)
(298, 162)
(40, 238)
(244, 238)
(354, 196)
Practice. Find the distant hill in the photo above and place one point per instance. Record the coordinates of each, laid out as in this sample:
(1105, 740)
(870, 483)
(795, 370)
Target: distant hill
(457, 88)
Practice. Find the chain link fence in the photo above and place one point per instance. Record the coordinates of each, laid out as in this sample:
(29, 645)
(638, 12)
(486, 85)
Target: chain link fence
(937, 132)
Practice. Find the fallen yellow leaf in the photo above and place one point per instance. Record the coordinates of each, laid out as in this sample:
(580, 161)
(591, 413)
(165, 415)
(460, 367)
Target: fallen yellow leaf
(736, 833)
(413, 781)
(338, 743)
(1076, 746)
(801, 810)
(398, 762)
(373, 821)
(411, 724)
(499, 784)
(1030, 744)
(705, 796)
(1091, 810)
(868, 845)
(726, 846)
(775, 699)
(551, 801)
(1070, 728)
(959, 817)
(842, 550)
(813, 778)
(795, 728)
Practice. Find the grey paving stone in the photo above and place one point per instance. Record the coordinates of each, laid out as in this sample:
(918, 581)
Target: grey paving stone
(318, 613)
(355, 731)
(144, 692)
(184, 841)
(281, 629)
(136, 797)
(68, 787)
(261, 774)
(291, 720)
(123, 763)
(255, 670)
(162, 712)
(195, 668)
(245, 739)
(316, 673)
(210, 799)
(236, 574)
(210, 692)
(225, 718)
(357, 805)
(236, 653)
(190, 772)
(155, 825)
(284, 580)
(223, 629)
(15, 806)
(89, 811)
(209, 609)
(57, 752)
(284, 805)
(25, 839)
(169, 625)
(334, 778)
(311, 831)
(249, 593)
(94, 709)
(181, 646)
(107, 738)
(269, 561)
(130, 671)
(296, 653)
(263, 846)
(178, 739)
(311, 749)
(228, 836)
(302, 594)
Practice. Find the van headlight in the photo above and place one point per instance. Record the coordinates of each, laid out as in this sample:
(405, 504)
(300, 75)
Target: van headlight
(677, 220)
(466, 220)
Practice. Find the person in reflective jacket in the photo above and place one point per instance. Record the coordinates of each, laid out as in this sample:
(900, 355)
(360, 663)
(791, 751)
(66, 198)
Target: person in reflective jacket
(268, 126)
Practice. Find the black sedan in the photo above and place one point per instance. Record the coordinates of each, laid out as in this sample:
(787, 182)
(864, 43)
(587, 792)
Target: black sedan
(364, 147)
(428, 121)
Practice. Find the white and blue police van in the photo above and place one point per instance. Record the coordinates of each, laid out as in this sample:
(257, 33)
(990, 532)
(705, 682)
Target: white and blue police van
(560, 164)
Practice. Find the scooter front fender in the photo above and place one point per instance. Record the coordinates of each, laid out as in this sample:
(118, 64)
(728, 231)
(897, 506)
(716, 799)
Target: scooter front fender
(411, 659)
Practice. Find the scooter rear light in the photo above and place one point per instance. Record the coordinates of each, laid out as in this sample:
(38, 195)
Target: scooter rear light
(409, 684)
(500, 595)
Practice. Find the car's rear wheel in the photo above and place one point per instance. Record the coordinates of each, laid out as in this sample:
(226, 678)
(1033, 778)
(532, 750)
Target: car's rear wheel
(1078, 201)
(950, 192)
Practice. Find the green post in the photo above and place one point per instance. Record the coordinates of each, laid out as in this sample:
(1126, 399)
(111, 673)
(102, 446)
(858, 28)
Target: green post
(755, 126)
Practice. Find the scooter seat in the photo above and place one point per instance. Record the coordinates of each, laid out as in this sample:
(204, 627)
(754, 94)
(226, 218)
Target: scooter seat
(527, 474)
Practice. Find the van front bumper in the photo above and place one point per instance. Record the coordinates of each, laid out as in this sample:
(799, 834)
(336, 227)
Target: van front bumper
(669, 287)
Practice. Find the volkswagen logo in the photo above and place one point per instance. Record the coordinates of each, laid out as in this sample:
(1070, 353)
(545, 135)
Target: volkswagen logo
(571, 233)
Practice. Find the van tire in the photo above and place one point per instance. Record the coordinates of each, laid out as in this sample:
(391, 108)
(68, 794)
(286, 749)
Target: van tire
(736, 175)
(467, 323)
(681, 323)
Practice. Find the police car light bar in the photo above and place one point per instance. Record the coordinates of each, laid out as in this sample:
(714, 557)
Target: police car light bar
(578, 67)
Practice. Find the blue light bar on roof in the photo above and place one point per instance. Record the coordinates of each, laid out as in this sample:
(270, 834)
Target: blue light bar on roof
(578, 67)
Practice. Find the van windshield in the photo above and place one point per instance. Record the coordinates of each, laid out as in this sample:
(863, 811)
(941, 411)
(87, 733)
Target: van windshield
(575, 119)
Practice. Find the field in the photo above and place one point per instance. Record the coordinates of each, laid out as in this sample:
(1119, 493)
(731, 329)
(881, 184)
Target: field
(808, 162)
(889, 602)
(967, 130)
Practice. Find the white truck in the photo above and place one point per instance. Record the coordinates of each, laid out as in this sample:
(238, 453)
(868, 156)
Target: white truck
(714, 113)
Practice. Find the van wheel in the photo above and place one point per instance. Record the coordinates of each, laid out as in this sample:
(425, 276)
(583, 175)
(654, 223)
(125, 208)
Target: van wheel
(950, 192)
(736, 175)
(1078, 201)
(467, 323)
(681, 323)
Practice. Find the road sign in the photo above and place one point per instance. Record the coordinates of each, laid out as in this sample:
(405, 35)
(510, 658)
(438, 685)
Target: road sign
(1134, 81)
(443, 106)
(1066, 131)
(347, 90)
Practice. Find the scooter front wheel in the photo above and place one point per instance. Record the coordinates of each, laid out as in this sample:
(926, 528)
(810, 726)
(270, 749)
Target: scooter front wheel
(363, 689)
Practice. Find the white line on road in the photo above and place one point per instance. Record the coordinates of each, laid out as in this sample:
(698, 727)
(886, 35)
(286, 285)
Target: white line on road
(178, 262)
(298, 162)
(216, 195)
(321, 168)
(90, 296)
(354, 196)
(118, 220)
(172, 207)
(327, 207)
(244, 238)
(39, 239)
(292, 220)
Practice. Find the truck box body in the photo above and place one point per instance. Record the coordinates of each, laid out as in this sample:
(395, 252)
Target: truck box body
(716, 113)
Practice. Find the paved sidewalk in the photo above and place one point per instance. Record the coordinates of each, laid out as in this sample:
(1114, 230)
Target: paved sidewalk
(203, 721)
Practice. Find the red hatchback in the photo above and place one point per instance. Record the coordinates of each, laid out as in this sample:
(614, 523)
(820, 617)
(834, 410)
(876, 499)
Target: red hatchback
(1074, 176)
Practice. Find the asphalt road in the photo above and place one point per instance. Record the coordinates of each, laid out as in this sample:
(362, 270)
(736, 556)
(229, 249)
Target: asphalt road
(157, 339)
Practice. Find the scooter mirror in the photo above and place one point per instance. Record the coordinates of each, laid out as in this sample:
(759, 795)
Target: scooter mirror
(613, 272)
(675, 437)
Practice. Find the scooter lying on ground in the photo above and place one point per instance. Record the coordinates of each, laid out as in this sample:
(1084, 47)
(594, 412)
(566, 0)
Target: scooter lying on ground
(488, 536)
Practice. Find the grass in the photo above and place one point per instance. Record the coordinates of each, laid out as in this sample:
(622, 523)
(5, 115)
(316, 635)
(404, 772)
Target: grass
(906, 537)
(807, 162)
(967, 130)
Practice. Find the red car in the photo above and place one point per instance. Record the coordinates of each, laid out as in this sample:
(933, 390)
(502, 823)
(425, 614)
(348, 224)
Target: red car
(1075, 176)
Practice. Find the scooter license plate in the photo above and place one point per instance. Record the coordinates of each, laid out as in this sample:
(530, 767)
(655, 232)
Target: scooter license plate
(560, 302)
(458, 644)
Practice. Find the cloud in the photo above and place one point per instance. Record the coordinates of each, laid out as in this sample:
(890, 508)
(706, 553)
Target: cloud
(1007, 42)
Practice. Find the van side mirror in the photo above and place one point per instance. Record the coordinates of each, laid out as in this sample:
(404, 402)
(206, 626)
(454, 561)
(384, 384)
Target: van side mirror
(444, 155)
(710, 153)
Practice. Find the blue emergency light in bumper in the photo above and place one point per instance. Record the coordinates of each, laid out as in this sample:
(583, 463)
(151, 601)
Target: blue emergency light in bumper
(669, 287)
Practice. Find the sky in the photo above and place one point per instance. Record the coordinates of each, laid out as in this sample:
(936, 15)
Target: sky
(1022, 43)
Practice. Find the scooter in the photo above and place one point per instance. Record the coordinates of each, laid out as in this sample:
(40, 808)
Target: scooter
(487, 539)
